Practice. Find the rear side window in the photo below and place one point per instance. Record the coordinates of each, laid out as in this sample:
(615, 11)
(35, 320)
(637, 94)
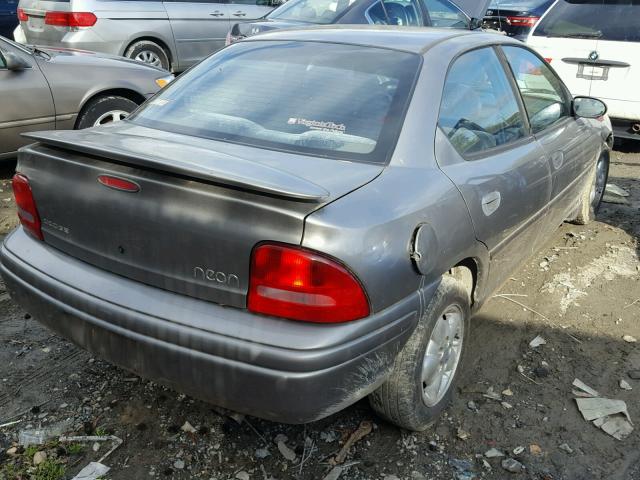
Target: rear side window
(444, 14)
(331, 100)
(479, 110)
(542, 91)
(615, 20)
(395, 12)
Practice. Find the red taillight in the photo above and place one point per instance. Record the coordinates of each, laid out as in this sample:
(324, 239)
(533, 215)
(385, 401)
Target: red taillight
(298, 284)
(27, 211)
(70, 19)
(22, 16)
(522, 21)
(548, 59)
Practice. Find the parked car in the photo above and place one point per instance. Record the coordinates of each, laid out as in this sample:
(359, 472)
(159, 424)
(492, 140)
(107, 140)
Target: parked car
(287, 250)
(595, 48)
(463, 14)
(65, 89)
(515, 17)
(8, 18)
(170, 34)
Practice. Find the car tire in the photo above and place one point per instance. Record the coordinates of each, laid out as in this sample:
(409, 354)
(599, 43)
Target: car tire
(403, 398)
(106, 109)
(148, 52)
(593, 191)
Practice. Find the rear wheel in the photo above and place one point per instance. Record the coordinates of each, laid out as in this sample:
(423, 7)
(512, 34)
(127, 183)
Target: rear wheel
(106, 109)
(425, 372)
(591, 196)
(148, 52)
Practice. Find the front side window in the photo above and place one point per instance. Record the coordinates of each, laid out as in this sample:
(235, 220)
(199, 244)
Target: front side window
(395, 12)
(615, 20)
(542, 91)
(312, 11)
(331, 100)
(479, 110)
(444, 14)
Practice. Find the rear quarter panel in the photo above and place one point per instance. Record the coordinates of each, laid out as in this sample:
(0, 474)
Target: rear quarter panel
(372, 229)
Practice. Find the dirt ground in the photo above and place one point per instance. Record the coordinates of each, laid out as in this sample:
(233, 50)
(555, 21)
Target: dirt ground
(583, 286)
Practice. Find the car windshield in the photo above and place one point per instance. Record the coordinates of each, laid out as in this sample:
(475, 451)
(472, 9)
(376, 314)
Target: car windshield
(615, 20)
(331, 100)
(311, 11)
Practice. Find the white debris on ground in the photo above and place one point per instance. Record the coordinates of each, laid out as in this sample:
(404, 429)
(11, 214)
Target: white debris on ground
(614, 194)
(611, 416)
(619, 261)
(536, 342)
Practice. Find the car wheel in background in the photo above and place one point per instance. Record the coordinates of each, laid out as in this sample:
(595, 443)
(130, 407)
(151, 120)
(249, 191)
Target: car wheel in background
(591, 196)
(425, 372)
(148, 52)
(107, 109)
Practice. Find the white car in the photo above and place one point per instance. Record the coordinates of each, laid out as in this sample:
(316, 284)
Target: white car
(595, 47)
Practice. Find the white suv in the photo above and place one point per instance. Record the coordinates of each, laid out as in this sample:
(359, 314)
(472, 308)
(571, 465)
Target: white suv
(595, 47)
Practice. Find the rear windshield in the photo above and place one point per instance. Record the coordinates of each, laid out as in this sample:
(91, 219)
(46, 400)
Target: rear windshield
(331, 100)
(603, 19)
(312, 11)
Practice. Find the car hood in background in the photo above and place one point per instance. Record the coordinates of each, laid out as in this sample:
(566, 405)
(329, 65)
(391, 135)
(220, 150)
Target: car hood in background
(85, 57)
(473, 8)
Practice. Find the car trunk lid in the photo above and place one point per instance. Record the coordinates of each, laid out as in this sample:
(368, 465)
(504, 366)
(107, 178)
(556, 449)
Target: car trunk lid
(200, 209)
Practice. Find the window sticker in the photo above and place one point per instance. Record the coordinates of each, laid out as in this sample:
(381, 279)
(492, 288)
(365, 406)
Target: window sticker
(318, 125)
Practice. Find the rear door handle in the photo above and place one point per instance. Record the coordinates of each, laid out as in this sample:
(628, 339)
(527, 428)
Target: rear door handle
(491, 202)
(240, 14)
(217, 13)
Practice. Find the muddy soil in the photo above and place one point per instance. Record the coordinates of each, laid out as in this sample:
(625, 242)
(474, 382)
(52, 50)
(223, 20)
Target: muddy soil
(584, 287)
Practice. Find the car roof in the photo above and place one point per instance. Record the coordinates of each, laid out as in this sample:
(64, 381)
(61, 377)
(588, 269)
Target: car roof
(415, 40)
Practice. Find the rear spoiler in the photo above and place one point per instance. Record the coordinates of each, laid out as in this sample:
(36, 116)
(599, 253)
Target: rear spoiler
(220, 168)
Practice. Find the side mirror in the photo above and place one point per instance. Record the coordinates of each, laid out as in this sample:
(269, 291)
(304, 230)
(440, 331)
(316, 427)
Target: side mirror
(14, 62)
(588, 107)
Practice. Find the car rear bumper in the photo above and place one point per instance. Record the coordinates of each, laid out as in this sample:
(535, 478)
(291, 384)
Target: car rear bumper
(276, 369)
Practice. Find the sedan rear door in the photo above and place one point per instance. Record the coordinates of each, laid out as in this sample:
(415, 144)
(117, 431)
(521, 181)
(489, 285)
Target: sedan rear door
(199, 28)
(483, 144)
(26, 103)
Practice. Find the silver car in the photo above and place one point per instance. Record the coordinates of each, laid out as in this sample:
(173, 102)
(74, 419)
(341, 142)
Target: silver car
(169, 34)
(287, 250)
(65, 89)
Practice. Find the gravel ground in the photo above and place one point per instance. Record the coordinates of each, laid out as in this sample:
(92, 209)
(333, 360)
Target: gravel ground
(582, 287)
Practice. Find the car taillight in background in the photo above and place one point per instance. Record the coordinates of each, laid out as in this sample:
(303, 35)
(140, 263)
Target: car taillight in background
(548, 59)
(298, 284)
(522, 21)
(70, 19)
(22, 16)
(27, 211)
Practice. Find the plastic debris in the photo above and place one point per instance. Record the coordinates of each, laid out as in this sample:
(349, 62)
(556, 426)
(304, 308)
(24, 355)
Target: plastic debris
(463, 434)
(565, 447)
(629, 339)
(625, 385)
(614, 194)
(518, 450)
(492, 395)
(188, 428)
(93, 471)
(512, 465)
(586, 390)
(506, 405)
(493, 453)
(609, 415)
(536, 342)
(362, 431)
(281, 442)
(507, 392)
